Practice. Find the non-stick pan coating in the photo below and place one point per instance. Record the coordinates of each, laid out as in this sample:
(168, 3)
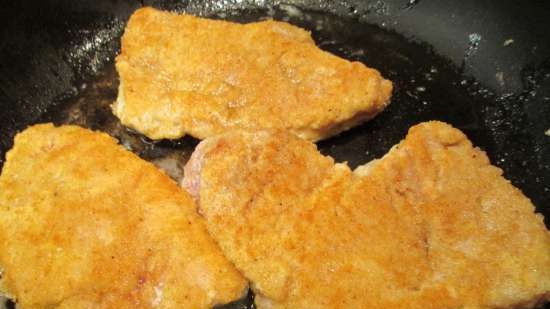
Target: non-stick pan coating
(483, 66)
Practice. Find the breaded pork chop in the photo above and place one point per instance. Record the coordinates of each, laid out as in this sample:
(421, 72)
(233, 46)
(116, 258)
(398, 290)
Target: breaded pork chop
(181, 74)
(431, 225)
(86, 224)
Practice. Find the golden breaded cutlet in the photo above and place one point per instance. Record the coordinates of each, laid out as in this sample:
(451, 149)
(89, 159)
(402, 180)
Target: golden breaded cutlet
(431, 225)
(86, 224)
(181, 74)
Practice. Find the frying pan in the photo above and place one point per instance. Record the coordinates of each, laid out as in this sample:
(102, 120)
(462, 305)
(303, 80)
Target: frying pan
(483, 66)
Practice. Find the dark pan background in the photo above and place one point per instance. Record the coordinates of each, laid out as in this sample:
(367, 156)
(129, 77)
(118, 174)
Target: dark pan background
(449, 61)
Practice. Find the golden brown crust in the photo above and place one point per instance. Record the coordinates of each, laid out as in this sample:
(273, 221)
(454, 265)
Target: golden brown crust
(182, 74)
(86, 224)
(430, 225)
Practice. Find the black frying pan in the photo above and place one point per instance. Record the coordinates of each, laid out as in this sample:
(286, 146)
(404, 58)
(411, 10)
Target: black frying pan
(483, 66)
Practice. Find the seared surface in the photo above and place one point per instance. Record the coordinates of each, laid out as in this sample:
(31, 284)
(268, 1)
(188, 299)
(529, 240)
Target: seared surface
(186, 75)
(86, 224)
(431, 225)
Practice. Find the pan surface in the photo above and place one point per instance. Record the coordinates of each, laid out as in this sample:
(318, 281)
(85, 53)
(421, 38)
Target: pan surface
(483, 66)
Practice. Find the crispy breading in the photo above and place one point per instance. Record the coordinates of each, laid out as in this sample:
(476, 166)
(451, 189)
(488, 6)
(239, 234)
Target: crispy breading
(86, 224)
(181, 74)
(431, 225)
